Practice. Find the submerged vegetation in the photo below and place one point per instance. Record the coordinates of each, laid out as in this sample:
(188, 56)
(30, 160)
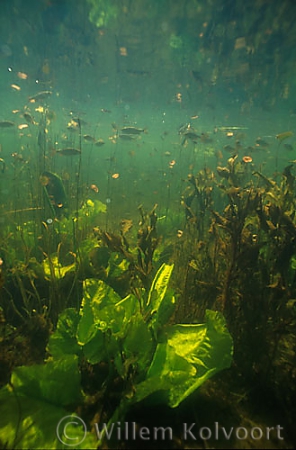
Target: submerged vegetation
(94, 307)
(134, 352)
(147, 219)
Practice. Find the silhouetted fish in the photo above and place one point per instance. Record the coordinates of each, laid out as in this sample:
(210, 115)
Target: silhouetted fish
(40, 96)
(6, 124)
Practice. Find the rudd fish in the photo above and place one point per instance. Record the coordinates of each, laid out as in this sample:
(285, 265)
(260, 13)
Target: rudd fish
(132, 130)
(127, 137)
(40, 96)
(231, 128)
(285, 135)
(189, 134)
(29, 118)
(69, 151)
(6, 124)
(99, 143)
(89, 138)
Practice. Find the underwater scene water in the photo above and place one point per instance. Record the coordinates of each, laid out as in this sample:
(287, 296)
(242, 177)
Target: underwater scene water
(147, 224)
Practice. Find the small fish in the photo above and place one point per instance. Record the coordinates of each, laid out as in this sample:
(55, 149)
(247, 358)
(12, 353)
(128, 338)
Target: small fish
(89, 138)
(69, 151)
(40, 96)
(282, 136)
(288, 147)
(183, 128)
(99, 143)
(22, 75)
(104, 110)
(229, 148)
(16, 87)
(78, 122)
(94, 188)
(127, 137)
(29, 118)
(232, 128)
(72, 128)
(261, 143)
(132, 130)
(6, 124)
(23, 126)
(190, 134)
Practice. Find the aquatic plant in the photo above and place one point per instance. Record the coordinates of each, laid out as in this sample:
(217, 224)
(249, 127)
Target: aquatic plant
(242, 264)
(102, 12)
(135, 262)
(146, 357)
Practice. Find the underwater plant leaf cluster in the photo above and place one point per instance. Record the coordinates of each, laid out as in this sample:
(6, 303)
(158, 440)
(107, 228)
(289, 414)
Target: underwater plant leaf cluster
(102, 12)
(189, 356)
(147, 355)
(40, 395)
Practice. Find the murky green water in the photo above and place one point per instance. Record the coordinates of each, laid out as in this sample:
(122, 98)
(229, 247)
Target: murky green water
(147, 223)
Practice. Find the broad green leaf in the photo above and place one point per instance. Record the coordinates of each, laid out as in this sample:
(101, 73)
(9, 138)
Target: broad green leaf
(57, 382)
(123, 312)
(169, 365)
(111, 318)
(116, 317)
(207, 347)
(138, 343)
(168, 371)
(31, 423)
(164, 312)
(52, 267)
(159, 286)
(95, 349)
(100, 295)
(130, 304)
(187, 340)
(117, 265)
(63, 341)
(86, 328)
(191, 355)
(220, 340)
